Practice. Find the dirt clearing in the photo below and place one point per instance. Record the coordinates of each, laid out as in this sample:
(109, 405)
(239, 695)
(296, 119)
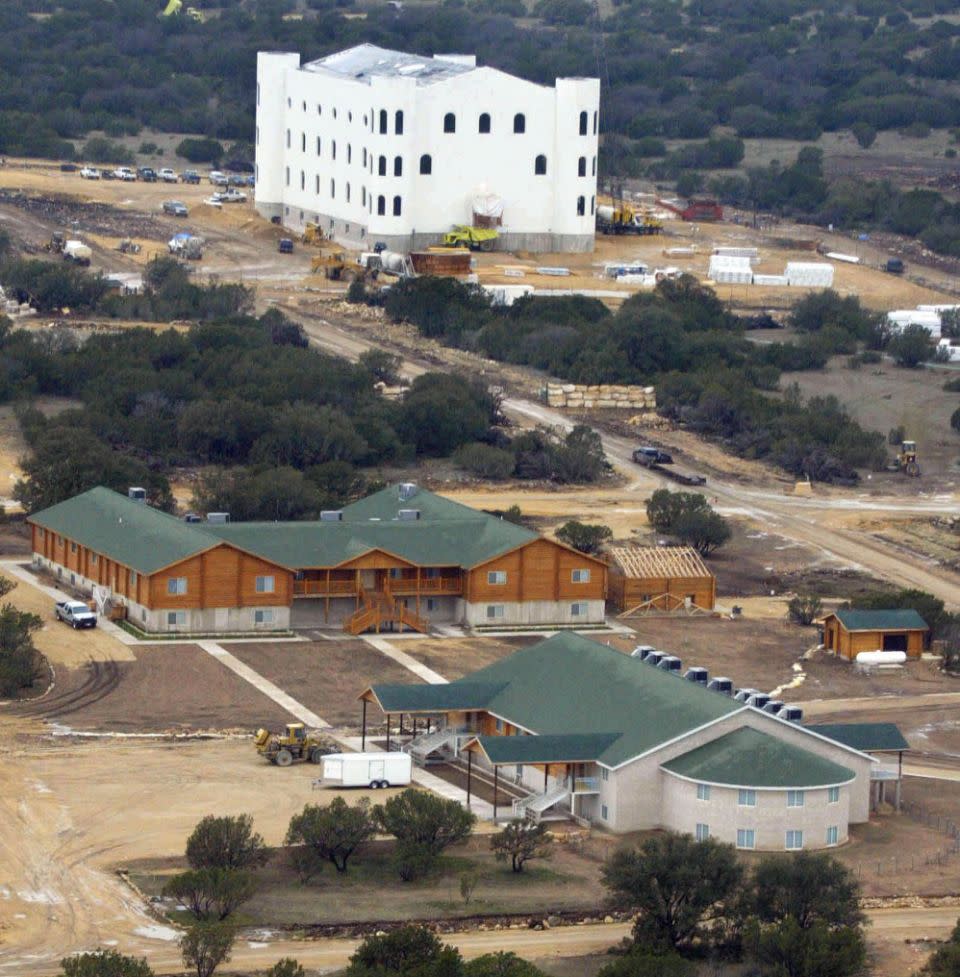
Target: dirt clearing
(455, 657)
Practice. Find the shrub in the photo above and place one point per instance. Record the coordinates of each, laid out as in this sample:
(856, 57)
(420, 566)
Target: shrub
(485, 461)
(804, 609)
(100, 150)
(584, 537)
(911, 346)
(418, 818)
(226, 842)
(334, 832)
(104, 963)
(200, 150)
(207, 945)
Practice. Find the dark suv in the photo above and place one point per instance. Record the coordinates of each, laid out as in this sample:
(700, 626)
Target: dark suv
(147, 174)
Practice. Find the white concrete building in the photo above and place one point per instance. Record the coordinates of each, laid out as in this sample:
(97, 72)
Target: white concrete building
(379, 145)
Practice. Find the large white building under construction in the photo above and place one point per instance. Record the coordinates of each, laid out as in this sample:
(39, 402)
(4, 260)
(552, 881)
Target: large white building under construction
(378, 145)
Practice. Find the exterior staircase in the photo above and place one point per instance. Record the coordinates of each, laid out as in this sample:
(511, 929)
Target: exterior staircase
(427, 743)
(534, 806)
(379, 608)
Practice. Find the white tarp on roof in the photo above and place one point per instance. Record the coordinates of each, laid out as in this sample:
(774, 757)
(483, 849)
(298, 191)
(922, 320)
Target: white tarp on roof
(813, 274)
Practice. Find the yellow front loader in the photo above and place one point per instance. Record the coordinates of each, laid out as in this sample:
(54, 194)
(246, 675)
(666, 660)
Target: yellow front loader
(293, 745)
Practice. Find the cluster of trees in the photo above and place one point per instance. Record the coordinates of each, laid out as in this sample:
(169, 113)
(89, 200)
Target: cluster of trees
(688, 518)
(21, 665)
(693, 899)
(680, 338)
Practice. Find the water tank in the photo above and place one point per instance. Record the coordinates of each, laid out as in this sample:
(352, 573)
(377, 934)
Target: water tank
(721, 684)
(137, 493)
(653, 658)
(670, 663)
(393, 262)
(331, 515)
(759, 700)
(218, 518)
(881, 657)
(407, 490)
(697, 674)
(791, 713)
(641, 651)
(774, 707)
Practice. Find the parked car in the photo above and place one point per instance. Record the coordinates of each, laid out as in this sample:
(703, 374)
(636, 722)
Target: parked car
(651, 456)
(218, 179)
(125, 173)
(190, 176)
(175, 207)
(75, 613)
(285, 246)
(231, 196)
(107, 175)
(236, 180)
(148, 174)
(90, 173)
(167, 175)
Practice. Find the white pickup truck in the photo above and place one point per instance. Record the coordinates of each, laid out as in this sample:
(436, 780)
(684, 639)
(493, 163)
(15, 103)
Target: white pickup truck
(75, 613)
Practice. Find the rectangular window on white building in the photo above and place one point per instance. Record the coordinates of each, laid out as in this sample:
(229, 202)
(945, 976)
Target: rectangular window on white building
(794, 798)
(495, 612)
(747, 798)
(265, 585)
(604, 816)
(264, 616)
(176, 619)
(833, 795)
(703, 792)
(604, 773)
(745, 838)
(176, 585)
(580, 576)
(794, 840)
(833, 835)
(496, 576)
(703, 832)
(579, 609)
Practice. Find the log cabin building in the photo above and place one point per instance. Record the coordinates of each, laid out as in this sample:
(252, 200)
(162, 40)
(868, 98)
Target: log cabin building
(400, 558)
(848, 632)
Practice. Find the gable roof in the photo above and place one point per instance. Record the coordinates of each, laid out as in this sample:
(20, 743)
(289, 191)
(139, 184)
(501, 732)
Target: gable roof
(881, 620)
(866, 737)
(750, 758)
(659, 561)
(552, 748)
(569, 684)
(136, 535)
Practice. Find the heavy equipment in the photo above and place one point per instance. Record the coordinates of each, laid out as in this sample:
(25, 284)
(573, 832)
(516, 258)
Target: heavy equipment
(56, 243)
(313, 234)
(621, 218)
(906, 460)
(294, 744)
(337, 267)
(474, 238)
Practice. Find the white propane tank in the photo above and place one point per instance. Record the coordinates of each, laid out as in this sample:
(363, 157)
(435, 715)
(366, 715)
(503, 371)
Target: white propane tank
(393, 262)
(605, 212)
(881, 657)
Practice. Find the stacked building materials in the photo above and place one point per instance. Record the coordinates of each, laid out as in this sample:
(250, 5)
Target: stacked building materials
(812, 274)
(731, 252)
(779, 281)
(899, 319)
(580, 396)
(730, 269)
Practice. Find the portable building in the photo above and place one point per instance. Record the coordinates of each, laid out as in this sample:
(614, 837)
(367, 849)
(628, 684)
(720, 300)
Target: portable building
(899, 319)
(812, 274)
(730, 270)
(367, 769)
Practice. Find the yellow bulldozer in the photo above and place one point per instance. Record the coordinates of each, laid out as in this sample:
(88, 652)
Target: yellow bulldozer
(294, 745)
(906, 460)
(313, 234)
(338, 267)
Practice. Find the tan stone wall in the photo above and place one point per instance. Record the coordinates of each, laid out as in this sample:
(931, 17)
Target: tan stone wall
(582, 396)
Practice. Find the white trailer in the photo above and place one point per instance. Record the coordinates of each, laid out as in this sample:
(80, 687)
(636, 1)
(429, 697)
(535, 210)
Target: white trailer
(367, 769)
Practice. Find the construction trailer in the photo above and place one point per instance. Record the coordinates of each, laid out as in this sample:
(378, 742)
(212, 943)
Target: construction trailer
(657, 579)
(367, 769)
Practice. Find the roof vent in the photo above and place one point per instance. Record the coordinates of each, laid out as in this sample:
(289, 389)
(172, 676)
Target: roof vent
(218, 517)
(641, 651)
(697, 674)
(192, 517)
(407, 490)
(137, 493)
(408, 515)
(331, 515)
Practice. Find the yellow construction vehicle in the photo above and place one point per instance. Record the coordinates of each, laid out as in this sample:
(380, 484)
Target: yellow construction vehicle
(907, 459)
(313, 234)
(621, 218)
(474, 238)
(294, 744)
(338, 267)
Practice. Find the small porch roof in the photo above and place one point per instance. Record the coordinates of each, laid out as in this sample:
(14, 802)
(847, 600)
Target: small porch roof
(453, 697)
(554, 748)
(866, 737)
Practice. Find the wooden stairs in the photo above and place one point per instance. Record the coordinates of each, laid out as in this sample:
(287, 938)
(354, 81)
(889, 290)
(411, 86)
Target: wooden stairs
(382, 608)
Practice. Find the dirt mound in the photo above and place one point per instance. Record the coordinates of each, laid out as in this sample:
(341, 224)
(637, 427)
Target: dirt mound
(85, 216)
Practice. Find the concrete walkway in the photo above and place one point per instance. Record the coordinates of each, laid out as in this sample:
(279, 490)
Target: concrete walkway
(402, 658)
(264, 685)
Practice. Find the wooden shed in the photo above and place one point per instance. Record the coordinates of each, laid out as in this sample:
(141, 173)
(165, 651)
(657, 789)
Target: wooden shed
(645, 579)
(848, 632)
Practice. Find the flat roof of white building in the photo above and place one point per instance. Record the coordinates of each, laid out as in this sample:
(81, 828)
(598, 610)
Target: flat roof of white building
(366, 60)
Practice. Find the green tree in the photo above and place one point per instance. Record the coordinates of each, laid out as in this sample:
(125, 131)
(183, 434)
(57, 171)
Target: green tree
(809, 887)
(786, 949)
(821, 310)
(287, 967)
(441, 411)
(334, 832)
(407, 950)
(911, 346)
(804, 609)
(200, 150)
(381, 365)
(425, 819)
(638, 963)
(204, 946)
(955, 420)
(685, 892)
(864, 133)
(521, 841)
(485, 461)
(586, 537)
(580, 459)
(100, 150)
(212, 892)
(945, 960)
(704, 530)
(20, 662)
(104, 963)
(501, 964)
(664, 508)
(226, 842)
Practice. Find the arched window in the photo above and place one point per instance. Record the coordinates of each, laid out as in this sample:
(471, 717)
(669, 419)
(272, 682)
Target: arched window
(581, 206)
(593, 205)
(303, 180)
(288, 138)
(381, 205)
(364, 157)
(318, 145)
(540, 165)
(398, 122)
(288, 176)
(596, 116)
(349, 153)
(382, 166)
(316, 184)
(303, 142)
(363, 197)
(319, 110)
(449, 122)
(582, 166)
(348, 193)
(519, 123)
(484, 125)
(426, 164)
(396, 206)
(333, 148)
(583, 123)
(333, 188)
(398, 166)
(383, 122)
(593, 168)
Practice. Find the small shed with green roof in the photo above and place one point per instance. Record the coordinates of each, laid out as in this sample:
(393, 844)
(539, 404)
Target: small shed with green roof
(848, 631)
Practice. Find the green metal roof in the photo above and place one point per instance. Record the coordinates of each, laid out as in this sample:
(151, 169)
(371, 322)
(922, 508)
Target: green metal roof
(561, 748)
(446, 697)
(890, 620)
(866, 737)
(136, 535)
(749, 758)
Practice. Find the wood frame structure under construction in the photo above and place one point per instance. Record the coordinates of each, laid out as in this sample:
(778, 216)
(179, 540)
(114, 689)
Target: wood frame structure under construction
(652, 579)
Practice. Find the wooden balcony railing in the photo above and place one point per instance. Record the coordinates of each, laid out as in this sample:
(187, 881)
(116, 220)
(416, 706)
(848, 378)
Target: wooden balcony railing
(427, 585)
(403, 586)
(320, 587)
